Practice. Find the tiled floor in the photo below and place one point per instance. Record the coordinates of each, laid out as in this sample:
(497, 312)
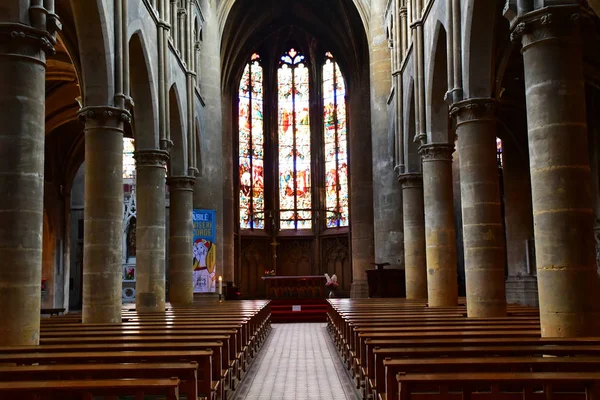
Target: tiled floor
(298, 362)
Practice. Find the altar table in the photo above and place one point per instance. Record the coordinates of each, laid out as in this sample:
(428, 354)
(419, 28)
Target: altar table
(295, 287)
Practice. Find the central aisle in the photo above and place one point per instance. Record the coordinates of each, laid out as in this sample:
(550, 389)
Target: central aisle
(298, 362)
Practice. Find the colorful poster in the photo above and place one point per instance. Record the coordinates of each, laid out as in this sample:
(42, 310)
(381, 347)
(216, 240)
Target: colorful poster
(205, 250)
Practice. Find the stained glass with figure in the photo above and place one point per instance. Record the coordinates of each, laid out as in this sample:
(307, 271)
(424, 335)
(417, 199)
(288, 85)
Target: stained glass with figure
(336, 145)
(251, 146)
(295, 195)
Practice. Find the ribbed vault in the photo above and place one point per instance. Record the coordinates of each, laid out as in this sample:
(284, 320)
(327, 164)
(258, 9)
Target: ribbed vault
(336, 23)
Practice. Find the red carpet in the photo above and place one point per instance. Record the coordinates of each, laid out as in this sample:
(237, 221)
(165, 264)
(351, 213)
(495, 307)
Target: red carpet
(307, 310)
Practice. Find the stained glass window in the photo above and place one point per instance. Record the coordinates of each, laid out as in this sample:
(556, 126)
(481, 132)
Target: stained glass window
(251, 145)
(128, 160)
(499, 152)
(336, 144)
(295, 197)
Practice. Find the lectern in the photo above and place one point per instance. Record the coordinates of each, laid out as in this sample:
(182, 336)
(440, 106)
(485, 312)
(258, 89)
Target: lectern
(386, 282)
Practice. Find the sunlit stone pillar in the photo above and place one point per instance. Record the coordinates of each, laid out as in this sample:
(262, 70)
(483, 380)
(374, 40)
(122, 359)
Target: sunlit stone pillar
(440, 236)
(22, 112)
(483, 232)
(150, 230)
(560, 171)
(181, 285)
(415, 260)
(387, 191)
(103, 215)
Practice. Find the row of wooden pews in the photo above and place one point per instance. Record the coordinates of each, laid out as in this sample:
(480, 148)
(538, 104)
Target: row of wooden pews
(401, 349)
(196, 352)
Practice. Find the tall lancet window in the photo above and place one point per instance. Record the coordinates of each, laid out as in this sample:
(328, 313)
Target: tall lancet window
(295, 197)
(336, 144)
(251, 147)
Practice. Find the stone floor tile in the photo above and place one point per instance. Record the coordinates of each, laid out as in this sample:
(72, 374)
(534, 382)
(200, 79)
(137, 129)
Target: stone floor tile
(298, 362)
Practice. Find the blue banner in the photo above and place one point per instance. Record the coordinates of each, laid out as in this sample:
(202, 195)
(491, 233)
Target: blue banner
(205, 251)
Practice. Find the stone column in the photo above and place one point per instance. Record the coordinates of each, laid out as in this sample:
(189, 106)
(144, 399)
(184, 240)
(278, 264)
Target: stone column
(103, 215)
(560, 171)
(181, 285)
(440, 236)
(483, 232)
(387, 192)
(415, 260)
(150, 230)
(22, 112)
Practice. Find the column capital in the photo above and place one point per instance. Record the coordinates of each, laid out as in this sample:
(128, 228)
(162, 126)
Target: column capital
(181, 183)
(436, 152)
(24, 40)
(411, 180)
(474, 109)
(151, 158)
(547, 23)
(104, 115)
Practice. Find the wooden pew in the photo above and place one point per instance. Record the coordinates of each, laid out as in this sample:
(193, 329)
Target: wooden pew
(52, 311)
(240, 327)
(218, 364)
(185, 372)
(494, 364)
(88, 388)
(527, 382)
(386, 354)
(175, 323)
(376, 359)
(354, 323)
(206, 386)
(361, 357)
(165, 342)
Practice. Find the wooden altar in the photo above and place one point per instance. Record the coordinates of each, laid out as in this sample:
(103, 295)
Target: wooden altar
(295, 287)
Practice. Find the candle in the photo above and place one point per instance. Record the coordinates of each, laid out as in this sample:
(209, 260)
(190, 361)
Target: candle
(220, 285)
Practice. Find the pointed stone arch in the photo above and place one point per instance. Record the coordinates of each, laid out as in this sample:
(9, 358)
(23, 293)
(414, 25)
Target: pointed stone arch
(413, 159)
(93, 20)
(143, 92)
(436, 89)
(178, 165)
(480, 23)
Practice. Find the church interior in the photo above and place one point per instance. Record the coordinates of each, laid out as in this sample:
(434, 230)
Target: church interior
(333, 199)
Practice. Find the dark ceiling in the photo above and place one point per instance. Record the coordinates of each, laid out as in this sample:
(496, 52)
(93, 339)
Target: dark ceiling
(336, 24)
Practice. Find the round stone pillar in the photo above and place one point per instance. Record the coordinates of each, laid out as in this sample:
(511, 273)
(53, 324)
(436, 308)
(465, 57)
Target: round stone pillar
(150, 230)
(560, 171)
(22, 116)
(415, 260)
(181, 275)
(440, 236)
(483, 232)
(103, 214)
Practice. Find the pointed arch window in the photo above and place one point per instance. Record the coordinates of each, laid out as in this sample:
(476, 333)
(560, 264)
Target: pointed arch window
(251, 146)
(294, 141)
(336, 144)
(277, 126)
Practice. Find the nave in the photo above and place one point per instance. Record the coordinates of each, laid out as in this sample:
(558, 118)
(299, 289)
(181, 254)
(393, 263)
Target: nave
(382, 349)
(298, 361)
